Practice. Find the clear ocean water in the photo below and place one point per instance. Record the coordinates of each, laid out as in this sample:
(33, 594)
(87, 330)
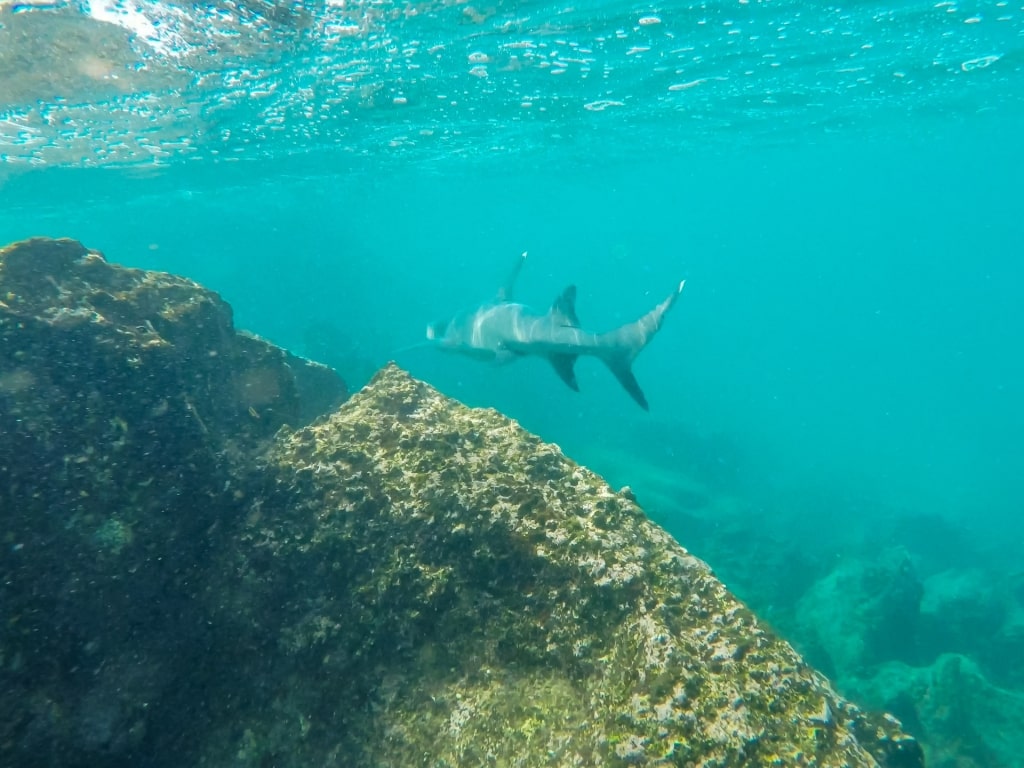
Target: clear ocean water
(840, 184)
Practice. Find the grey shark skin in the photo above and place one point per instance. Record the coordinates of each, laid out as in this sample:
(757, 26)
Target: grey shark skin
(503, 330)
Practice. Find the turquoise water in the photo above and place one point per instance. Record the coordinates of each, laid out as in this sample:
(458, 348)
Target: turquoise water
(839, 185)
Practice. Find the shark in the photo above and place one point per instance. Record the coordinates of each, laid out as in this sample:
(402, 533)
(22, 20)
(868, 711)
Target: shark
(502, 330)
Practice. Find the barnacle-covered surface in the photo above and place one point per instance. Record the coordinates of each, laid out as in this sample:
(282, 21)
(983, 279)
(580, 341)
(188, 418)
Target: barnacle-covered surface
(408, 582)
(476, 598)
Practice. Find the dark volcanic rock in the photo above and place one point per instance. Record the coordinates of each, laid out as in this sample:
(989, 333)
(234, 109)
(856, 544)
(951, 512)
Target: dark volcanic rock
(407, 583)
(127, 406)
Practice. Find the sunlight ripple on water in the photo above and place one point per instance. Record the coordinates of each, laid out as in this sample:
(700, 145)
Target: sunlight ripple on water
(97, 82)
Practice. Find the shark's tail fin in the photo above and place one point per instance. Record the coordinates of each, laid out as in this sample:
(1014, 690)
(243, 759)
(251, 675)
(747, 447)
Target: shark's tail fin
(621, 346)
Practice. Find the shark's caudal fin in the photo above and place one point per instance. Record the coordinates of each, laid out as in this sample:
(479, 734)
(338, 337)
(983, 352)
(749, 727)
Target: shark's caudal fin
(621, 346)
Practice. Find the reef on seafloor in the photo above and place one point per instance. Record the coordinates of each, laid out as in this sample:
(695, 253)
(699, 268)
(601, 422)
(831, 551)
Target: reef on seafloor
(194, 574)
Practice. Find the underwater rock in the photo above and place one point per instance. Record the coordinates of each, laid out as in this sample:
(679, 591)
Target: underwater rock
(407, 582)
(979, 614)
(966, 721)
(1007, 649)
(864, 612)
(127, 405)
(71, 320)
(450, 590)
(962, 610)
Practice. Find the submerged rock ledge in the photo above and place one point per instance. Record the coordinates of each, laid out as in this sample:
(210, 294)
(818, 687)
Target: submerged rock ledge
(406, 582)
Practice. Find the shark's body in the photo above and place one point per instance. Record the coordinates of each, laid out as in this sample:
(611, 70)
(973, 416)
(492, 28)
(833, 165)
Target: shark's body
(503, 330)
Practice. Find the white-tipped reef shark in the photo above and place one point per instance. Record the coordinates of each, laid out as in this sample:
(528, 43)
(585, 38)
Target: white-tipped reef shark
(502, 330)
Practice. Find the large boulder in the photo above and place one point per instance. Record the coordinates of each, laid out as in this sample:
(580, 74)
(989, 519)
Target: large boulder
(128, 404)
(408, 582)
(865, 612)
(464, 594)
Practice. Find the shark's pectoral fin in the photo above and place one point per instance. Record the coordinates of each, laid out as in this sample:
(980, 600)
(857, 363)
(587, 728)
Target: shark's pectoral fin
(563, 365)
(620, 366)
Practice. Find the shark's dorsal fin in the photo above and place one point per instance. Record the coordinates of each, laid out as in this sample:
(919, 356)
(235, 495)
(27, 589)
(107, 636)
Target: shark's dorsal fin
(507, 291)
(563, 365)
(564, 309)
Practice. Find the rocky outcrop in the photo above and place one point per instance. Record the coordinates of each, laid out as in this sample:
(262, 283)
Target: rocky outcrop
(476, 596)
(862, 613)
(129, 406)
(407, 582)
(966, 720)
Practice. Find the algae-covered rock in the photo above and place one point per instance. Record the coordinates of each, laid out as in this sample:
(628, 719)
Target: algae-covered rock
(464, 594)
(409, 582)
(72, 322)
(127, 405)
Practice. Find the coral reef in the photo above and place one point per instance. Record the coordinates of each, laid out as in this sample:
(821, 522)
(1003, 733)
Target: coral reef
(190, 576)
